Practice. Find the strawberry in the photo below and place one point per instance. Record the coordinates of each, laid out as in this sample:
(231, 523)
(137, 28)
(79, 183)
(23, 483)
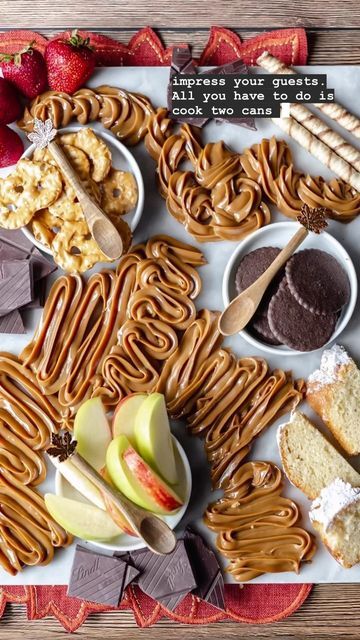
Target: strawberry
(10, 105)
(26, 70)
(69, 63)
(11, 146)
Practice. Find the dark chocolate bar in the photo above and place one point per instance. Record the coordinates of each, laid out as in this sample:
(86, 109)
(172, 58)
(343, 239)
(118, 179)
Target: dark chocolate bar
(99, 578)
(16, 285)
(167, 579)
(181, 62)
(12, 323)
(206, 569)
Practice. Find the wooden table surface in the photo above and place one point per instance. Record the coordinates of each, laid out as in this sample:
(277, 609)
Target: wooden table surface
(333, 28)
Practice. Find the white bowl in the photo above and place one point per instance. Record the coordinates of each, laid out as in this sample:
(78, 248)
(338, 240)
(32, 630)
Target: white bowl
(122, 159)
(125, 542)
(277, 235)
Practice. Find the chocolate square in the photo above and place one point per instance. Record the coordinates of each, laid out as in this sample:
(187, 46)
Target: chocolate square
(207, 571)
(98, 578)
(12, 323)
(16, 285)
(167, 578)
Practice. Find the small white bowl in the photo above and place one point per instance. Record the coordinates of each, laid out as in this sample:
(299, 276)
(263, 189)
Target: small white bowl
(122, 159)
(277, 235)
(125, 542)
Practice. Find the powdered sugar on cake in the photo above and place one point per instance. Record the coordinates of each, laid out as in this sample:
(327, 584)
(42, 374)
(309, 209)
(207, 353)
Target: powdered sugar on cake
(332, 500)
(331, 360)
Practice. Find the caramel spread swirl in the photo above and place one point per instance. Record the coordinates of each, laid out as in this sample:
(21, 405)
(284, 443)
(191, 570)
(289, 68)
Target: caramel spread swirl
(137, 330)
(126, 114)
(257, 527)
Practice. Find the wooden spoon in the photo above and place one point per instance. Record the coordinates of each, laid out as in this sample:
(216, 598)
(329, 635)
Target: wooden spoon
(155, 533)
(240, 310)
(101, 228)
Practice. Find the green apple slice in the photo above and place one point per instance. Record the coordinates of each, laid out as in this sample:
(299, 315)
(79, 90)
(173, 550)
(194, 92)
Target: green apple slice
(92, 432)
(79, 481)
(82, 520)
(124, 416)
(153, 437)
(136, 480)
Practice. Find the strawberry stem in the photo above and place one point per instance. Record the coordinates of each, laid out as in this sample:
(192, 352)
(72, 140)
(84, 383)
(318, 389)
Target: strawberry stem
(78, 41)
(16, 57)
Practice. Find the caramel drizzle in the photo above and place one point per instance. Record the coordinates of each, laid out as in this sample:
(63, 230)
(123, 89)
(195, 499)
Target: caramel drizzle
(126, 114)
(138, 330)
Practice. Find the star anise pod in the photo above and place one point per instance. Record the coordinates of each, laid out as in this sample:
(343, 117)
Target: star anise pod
(313, 219)
(63, 447)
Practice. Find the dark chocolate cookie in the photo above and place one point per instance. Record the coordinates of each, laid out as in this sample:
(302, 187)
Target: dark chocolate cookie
(317, 281)
(260, 327)
(295, 325)
(253, 265)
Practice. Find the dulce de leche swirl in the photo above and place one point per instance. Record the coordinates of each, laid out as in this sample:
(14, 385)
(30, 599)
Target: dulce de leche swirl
(216, 200)
(270, 164)
(137, 330)
(28, 534)
(258, 528)
(126, 114)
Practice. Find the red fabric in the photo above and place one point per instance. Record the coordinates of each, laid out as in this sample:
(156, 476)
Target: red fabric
(253, 603)
(257, 604)
(146, 49)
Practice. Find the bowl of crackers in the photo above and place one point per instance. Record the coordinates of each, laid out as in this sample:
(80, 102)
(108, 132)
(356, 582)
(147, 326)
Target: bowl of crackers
(111, 175)
(308, 303)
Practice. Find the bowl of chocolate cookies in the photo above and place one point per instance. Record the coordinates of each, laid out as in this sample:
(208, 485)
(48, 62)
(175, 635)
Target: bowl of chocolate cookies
(309, 302)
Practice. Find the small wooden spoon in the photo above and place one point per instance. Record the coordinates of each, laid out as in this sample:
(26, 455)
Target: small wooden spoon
(156, 534)
(240, 310)
(101, 228)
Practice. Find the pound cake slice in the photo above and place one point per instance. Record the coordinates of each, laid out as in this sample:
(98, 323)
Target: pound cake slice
(309, 460)
(335, 515)
(333, 391)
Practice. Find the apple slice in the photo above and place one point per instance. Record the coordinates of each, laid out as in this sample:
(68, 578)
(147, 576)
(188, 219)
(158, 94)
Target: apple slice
(153, 437)
(124, 416)
(133, 476)
(118, 517)
(82, 520)
(92, 432)
(80, 482)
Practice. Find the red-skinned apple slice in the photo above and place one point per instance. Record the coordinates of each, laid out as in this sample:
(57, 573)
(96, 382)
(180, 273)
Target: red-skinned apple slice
(135, 478)
(118, 517)
(153, 437)
(124, 415)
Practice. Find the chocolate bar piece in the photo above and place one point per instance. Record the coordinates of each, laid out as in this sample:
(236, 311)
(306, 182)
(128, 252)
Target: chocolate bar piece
(207, 571)
(237, 66)
(14, 245)
(99, 578)
(16, 285)
(167, 579)
(12, 323)
(181, 62)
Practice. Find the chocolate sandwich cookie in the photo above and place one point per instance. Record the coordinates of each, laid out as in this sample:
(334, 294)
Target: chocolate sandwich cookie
(294, 325)
(317, 281)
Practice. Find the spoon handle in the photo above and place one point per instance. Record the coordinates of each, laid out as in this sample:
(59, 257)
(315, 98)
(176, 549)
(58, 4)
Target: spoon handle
(294, 242)
(101, 228)
(156, 534)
